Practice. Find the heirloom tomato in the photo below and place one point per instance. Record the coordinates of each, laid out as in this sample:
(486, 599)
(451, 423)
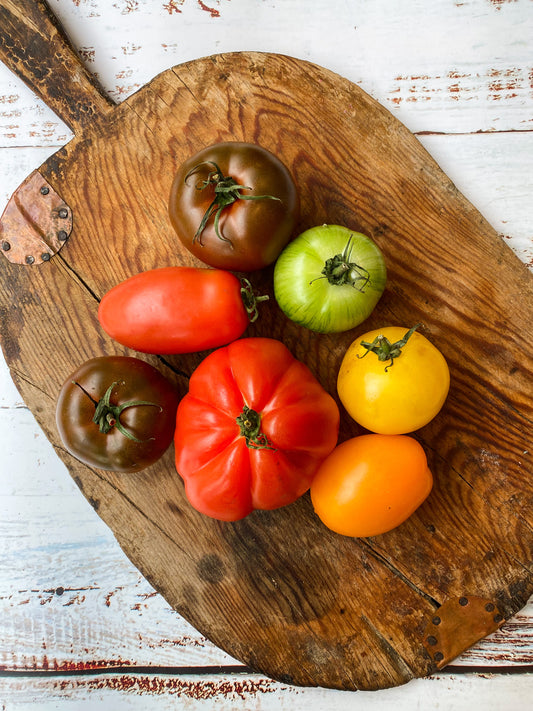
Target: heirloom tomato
(393, 380)
(117, 413)
(329, 278)
(234, 206)
(178, 310)
(370, 484)
(252, 430)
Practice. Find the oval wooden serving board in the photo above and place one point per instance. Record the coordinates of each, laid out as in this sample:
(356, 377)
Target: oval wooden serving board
(277, 590)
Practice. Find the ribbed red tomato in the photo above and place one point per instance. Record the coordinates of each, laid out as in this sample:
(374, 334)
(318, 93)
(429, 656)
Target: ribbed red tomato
(252, 430)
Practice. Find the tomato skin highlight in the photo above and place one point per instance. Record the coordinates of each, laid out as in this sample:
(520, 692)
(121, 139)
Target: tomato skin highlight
(312, 299)
(395, 398)
(371, 484)
(173, 310)
(252, 232)
(153, 424)
(226, 478)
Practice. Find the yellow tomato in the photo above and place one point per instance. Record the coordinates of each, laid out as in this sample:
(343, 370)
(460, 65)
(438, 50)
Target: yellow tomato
(393, 380)
(371, 484)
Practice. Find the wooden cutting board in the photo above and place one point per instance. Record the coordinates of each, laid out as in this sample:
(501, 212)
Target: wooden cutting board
(277, 590)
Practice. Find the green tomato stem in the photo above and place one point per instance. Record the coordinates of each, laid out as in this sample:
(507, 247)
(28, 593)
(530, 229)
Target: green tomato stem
(339, 270)
(107, 415)
(227, 191)
(384, 349)
(249, 422)
(250, 300)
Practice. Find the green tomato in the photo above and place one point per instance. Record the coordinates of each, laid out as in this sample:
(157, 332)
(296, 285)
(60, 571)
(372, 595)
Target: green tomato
(329, 279)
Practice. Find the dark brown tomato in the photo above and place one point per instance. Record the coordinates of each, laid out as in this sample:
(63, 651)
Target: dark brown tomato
(117, 413)
(234, 206)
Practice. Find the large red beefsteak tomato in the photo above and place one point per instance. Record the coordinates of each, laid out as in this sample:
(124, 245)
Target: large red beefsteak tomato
(252, 430)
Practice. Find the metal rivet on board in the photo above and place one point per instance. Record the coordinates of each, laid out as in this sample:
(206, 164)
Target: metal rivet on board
(6, 246)
(439, 656)
(489, 607)
(45, 256)
(432, 640)
(62, 235)
(436, 621)
(463, 601)
(45, 190)
(30, 259)
(63, 213)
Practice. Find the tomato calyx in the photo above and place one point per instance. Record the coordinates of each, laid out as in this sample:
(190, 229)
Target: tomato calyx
(227, 191)
(339, 270)
(384, 349)
(249, 422)
(107, 415)
(250, 300)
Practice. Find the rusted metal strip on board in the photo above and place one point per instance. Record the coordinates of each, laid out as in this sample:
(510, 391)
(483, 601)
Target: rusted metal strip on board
(35, 224)
(457, 625)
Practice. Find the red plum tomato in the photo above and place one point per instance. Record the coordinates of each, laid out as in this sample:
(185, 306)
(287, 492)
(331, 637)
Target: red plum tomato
(173, 310)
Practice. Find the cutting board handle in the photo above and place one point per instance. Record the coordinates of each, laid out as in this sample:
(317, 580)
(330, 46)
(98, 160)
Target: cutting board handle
(35, 47)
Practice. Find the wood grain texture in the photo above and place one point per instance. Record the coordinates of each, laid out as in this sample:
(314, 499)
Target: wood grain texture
(28, 28)
(295, 613)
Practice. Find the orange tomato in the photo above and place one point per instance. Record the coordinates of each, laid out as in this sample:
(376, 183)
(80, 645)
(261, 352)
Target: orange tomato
(370, 484)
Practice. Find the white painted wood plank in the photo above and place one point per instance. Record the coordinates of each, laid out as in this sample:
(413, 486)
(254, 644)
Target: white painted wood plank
(9, 395)
(136, 692)
(440, 66)
(494, 172)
